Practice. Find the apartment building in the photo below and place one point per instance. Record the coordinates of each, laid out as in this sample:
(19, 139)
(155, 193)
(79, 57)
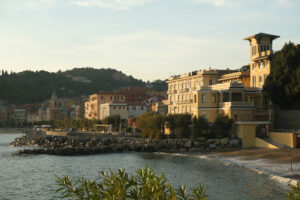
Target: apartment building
(234, 93)
(92, 106)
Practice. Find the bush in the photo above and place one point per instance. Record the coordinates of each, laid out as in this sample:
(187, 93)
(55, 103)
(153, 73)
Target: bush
(201, 126)
(151, 125)
(222, 126)
(179, 124)
(294, 193)
(119, 185)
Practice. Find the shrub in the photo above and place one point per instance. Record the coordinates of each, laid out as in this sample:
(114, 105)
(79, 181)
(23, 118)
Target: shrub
(151, 125)
(201, 126)
(119, 185)
(179, 124)
(222, 126)
(294, 193)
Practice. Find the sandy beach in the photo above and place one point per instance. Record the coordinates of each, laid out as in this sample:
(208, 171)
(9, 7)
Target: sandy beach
(274, 155)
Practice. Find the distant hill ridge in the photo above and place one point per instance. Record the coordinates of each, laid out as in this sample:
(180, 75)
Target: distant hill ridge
(34, 87)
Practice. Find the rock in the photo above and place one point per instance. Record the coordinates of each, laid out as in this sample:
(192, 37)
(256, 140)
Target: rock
(195, 149)
(201, 139)
(212, 145)
(234, 142)
(224, 141)
(188, 144)
(211, 141)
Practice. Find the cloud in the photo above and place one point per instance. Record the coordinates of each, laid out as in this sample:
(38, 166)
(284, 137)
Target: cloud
(28, 5)
(112, 4)
(230, 3)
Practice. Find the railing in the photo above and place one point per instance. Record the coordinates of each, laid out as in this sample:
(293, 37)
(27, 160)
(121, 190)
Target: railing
(184, 101)
(236, 104)
(261, 112)
(172, 91)
(184, 90)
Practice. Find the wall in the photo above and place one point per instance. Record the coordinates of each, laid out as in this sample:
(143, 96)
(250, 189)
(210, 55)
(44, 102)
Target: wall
(246, 132)
(288, 139)
(263, 144)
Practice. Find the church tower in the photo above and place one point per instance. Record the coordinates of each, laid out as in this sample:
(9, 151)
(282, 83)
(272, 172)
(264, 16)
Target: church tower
(260, 51)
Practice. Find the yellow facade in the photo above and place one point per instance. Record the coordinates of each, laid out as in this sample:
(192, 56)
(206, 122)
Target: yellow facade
(260, 51)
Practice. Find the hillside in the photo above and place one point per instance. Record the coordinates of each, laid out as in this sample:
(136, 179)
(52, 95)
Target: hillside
(32, 87)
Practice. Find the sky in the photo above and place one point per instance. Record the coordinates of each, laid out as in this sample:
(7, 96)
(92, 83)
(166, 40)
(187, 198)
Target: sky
(148, 39)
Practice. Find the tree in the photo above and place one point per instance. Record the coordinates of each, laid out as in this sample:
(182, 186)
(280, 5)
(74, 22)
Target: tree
(222, 126)
(283, 83)
(114, 120)
(119, 185)
(179, 124)
(201, 126)
(151, 125)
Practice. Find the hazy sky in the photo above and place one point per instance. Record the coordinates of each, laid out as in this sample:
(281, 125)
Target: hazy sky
(149, 39)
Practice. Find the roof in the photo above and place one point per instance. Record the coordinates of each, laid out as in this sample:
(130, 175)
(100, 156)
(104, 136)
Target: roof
(259, 35)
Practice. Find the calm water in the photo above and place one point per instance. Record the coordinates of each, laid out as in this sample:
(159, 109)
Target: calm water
(32, 176)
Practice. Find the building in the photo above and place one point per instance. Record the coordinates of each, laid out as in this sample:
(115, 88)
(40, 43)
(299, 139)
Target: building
(234, 93)
(92, 105)
(53, 109)
(112, 109)
(260, 54)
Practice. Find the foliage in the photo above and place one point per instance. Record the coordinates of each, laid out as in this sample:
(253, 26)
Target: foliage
(32, 87)
(201, 126)
(119, 185)
(179, 124)
(222, 126)
(114, 120)
(151, 125)
(245, 68)
(294, 193)
(78, 124)
(283, 83)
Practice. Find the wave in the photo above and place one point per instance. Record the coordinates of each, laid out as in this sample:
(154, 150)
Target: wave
(274, 171)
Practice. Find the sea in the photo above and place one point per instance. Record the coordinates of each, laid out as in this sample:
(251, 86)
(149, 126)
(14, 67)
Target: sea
(30, 177)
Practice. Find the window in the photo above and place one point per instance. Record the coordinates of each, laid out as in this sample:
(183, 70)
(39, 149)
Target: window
(195, 99)
(225, 97)
(253, 66)
(142, 108)
(214, 98)
(203, 98)
(210, 82)
(260, 79)
(253, 81)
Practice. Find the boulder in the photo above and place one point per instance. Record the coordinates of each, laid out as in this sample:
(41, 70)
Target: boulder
(212, 145)
(188, 144)
(201, 139)
(234, 142)
(211, 141)
(224, 141)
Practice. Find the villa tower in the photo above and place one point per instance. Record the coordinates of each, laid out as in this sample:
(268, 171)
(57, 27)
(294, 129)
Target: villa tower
(260, 51)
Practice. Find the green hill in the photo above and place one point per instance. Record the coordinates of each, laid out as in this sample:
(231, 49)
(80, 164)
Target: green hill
(32, 87)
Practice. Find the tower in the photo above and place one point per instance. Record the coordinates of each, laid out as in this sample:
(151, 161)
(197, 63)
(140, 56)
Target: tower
(260, 51)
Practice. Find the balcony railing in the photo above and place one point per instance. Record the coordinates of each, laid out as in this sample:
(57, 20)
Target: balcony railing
(172, 91)
(184, 101)
(236, 104)
(261, 112)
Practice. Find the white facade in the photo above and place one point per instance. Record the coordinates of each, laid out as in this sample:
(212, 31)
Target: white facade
(111, 109)
(136, 111)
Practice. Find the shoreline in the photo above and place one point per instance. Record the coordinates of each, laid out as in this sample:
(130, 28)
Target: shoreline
(275, 169)
(284, 181)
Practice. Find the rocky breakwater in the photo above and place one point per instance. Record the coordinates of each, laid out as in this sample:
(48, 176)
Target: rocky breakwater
(67, 145)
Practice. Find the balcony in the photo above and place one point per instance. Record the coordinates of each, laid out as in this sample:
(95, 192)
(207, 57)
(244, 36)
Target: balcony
(172, 91)
(184, 101)
(236, 104)
(184, 90)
